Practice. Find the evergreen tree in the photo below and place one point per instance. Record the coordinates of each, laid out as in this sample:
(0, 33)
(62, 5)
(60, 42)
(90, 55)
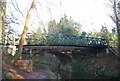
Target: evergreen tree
(68, 26)
(65, 27)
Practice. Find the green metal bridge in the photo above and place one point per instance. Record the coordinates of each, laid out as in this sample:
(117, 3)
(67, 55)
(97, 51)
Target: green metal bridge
(67, 40)
(58, 40)
(64, 47)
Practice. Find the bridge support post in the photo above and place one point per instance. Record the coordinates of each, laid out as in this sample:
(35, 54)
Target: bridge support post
(107, 51)
(31, 61)
(97, 52)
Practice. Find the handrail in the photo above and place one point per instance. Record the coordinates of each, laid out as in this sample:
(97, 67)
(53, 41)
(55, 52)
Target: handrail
(67, 40)
(64, 40)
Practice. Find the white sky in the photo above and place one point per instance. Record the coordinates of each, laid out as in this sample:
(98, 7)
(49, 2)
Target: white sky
(91, 13)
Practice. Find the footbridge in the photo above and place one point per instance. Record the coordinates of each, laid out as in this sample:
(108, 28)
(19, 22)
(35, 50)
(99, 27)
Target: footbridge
(58, 43)
(62, 46)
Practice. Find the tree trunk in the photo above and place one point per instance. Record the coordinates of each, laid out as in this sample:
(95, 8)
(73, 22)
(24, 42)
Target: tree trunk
(20, 48)
(117, 22)
(118, 28)
(2, 20)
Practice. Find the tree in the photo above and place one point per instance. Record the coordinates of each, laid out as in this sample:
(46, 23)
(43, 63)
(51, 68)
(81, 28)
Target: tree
(3, 18)
(22, 39)
(38, 31)
(53, 27)
(83, 34)
(65, 27)
(104, 32)
(116, 18)
(68, 26)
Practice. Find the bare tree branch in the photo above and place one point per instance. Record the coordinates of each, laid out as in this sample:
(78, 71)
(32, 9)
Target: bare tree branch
(49, 9)
(16, 7)
(113, 18)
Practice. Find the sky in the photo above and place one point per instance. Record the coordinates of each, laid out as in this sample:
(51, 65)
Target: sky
(91, 14)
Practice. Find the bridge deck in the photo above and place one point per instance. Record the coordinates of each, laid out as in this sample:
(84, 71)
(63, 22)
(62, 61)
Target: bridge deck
(61, 46)
(84, 49)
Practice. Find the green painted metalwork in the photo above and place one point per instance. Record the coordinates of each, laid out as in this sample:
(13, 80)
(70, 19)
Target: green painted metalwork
(66, 40)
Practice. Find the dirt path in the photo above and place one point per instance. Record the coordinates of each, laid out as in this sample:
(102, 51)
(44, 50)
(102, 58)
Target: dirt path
(35, 74)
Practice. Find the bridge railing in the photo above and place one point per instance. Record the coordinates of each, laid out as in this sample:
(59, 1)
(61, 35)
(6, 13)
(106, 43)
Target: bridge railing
(61, 40)
(66, 40)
